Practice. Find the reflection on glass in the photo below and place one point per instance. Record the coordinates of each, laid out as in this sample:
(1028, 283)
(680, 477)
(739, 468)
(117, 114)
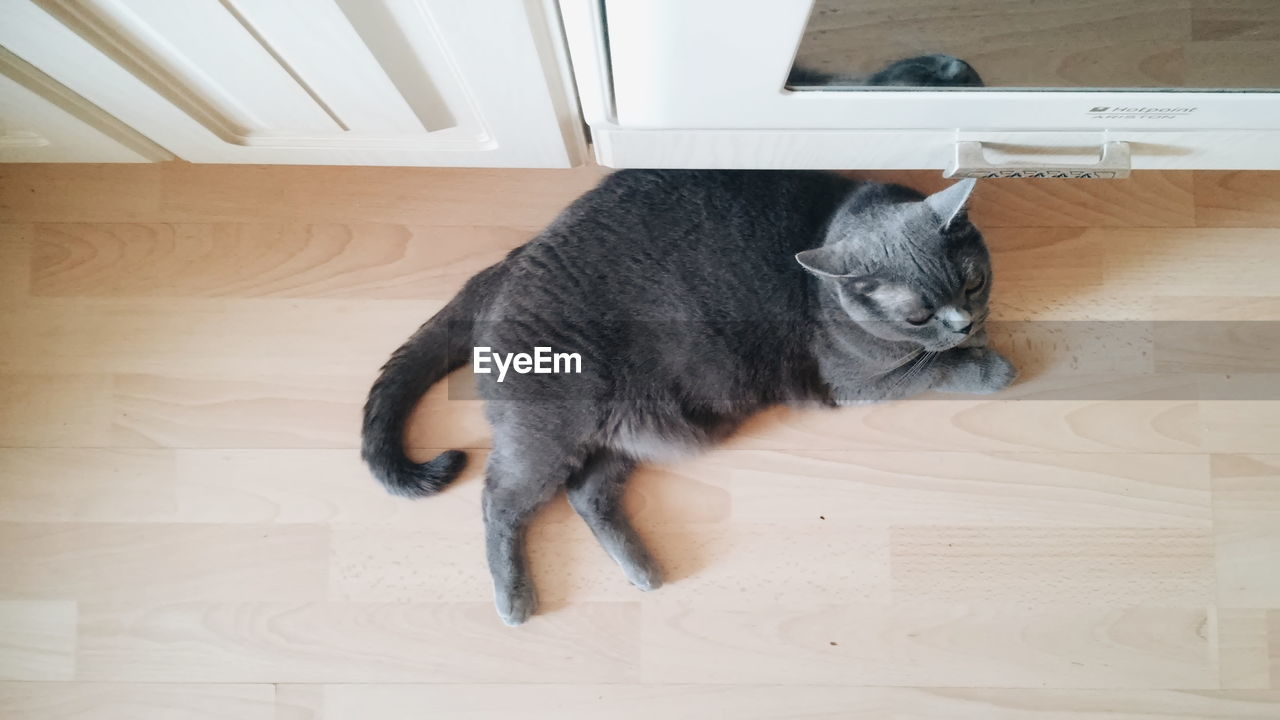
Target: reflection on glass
(1113, 44)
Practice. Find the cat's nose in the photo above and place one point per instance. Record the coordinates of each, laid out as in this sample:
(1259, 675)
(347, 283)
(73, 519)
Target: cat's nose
(955, 319)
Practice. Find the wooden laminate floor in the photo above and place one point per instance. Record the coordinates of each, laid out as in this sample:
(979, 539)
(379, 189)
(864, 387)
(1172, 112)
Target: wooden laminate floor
(186, 530)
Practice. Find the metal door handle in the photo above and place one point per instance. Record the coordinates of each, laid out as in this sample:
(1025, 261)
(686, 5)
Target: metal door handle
(970, 162)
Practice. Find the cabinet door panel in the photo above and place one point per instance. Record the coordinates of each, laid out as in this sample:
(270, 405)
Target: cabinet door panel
(198, 54)
(400, 82)
(41, 121)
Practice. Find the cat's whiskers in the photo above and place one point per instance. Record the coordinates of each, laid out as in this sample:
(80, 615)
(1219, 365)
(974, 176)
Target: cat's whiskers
(922, 361)
(911, 356)
(897, 364)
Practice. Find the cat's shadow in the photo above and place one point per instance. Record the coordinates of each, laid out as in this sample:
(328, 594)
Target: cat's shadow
(678, 513)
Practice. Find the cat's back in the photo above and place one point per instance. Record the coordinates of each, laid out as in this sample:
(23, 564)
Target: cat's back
(655, 272)
(660, 205)
(690, 234)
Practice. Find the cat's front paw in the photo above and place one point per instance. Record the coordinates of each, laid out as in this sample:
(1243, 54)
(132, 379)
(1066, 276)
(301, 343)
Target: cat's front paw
(980, 371)
(995, 372)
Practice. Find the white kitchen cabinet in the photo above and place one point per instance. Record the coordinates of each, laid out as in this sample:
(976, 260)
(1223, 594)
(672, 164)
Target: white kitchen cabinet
(660, 83)
(359, 82)
(708, 83)
(41, 121)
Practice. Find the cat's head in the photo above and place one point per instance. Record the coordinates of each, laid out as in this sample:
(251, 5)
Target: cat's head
(905, 268)
(928, 71)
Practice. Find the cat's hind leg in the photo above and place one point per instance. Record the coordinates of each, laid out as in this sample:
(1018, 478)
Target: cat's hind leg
(522, 474)
(595, 492)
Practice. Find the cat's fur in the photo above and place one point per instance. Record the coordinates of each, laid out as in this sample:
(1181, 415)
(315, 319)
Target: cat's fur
(936, 70)
(696, 298)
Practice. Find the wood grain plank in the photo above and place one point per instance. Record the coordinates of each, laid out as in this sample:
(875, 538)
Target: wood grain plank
(252, 337)
(1232, 310)
(1246, 508)
(1040, 490)
(313, 486)
(982, 426)
(1240, 426)
(138, 701)
(1045, 260)
(353, 642)
(434, 196)
(375, 564)
(1227, 262)
(1224, 350)
(80, 193)
(183, 192)
(300, 702)
(366, 261)
(869, 488)
(1083, 360)
(1237, 199)
(1244, 654)
(1149, 198)
(267, 411)
(37, 640)
(15, 254)
(133, 561)
(109, 485)
(310, 486)
(773, 702)
(41, 410)
(1037, 566)
(1273, 642)
(57, 485)
(980, 645)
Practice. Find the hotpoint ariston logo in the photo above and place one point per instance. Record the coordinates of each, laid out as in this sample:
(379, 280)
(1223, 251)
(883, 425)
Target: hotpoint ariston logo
(1111, 112)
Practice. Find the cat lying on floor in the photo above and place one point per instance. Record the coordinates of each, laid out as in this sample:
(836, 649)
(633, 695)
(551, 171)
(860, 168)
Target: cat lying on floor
(694, 300)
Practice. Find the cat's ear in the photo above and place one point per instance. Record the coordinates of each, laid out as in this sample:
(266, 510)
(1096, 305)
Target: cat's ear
(829, 261)
(948, 204)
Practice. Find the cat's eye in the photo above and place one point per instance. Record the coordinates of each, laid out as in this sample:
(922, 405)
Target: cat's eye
(975, 285)
(919, 318)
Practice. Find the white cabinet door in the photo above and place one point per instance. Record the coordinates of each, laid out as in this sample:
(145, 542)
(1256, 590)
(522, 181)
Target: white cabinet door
(710, 83)
(358, 82)
(41, 121)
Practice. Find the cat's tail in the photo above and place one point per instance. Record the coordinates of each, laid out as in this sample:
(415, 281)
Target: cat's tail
(440, 346)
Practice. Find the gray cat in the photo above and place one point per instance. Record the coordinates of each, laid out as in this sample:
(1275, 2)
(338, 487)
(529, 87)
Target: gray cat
(694, 299)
